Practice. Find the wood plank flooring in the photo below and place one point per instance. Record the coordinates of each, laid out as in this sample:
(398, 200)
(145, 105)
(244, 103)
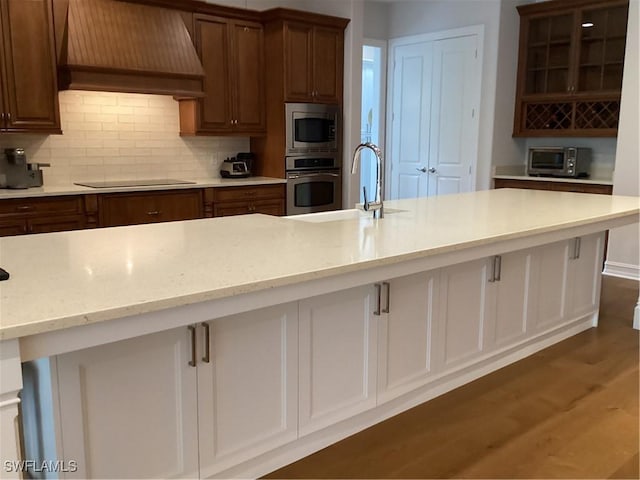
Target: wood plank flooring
(569, 411)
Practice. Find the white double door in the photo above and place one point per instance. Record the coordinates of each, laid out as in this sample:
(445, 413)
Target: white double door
(434, 100)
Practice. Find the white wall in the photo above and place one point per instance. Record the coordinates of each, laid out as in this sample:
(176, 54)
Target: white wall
(624, 243)
(376, 20)
(505, 149)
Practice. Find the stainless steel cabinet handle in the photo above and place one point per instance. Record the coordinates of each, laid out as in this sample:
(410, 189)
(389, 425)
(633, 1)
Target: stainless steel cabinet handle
(206, 358)
(378, 290)
(432, 170)
(388, 297)
(154, 212)
(492, 278)
(423, 169)
(2, 116)
(192, 329)
(497, 261)
(576, 249)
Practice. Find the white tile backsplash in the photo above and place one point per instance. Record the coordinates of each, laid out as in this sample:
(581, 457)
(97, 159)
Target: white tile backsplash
(119, 136)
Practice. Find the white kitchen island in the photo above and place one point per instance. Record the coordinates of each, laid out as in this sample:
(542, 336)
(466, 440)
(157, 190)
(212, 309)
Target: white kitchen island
(233, 346)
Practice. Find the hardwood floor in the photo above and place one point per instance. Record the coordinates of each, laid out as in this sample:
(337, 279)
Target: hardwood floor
(569, 411)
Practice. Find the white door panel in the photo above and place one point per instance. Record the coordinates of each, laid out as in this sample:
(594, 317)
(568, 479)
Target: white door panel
(434, 99)
(149, 390)
(451, 147)
(410, 119)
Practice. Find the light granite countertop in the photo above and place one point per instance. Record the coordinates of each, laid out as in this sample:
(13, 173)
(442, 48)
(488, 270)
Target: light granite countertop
(46, 191)
(66, 279)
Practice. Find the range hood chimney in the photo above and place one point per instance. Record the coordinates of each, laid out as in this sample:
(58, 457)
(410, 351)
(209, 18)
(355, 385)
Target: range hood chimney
(116, 46)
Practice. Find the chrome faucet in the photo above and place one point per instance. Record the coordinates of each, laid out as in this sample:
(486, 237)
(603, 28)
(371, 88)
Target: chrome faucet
(376, 206)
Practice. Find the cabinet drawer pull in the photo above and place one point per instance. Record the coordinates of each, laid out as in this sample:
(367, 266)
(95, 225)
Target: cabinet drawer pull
(24, 208)
(153, 213)
(192, 330)
(498, 267)
(378, 291)
(388, 297)
(206, 358)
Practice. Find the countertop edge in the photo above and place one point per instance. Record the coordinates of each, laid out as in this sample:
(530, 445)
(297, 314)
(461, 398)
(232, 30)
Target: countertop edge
(61, 323)
(52, 191)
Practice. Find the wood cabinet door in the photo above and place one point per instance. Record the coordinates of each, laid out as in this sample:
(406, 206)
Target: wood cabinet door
(55, 224)
(136, 208)
(298, 65)
(338, 357)
(247, 81)
(129, 409)
(269, 207)
(247, 386)
(212, 42)
(328, 58)
(406, 334)
(13, 226)
(31, 102)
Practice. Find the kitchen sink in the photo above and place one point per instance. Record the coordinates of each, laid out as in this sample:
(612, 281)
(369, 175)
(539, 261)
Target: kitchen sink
(338, 215)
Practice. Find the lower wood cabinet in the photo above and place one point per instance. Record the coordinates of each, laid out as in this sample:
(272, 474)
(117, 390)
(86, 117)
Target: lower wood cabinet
(151, 207)
(556, 186)
(184, 403)
(266, 199)
(74, 212)
(42, 215)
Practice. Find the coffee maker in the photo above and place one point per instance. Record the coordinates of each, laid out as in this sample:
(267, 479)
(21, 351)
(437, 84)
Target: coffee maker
(15, 172)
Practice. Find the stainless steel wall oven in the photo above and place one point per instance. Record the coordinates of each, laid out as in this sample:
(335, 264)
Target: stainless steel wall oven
(313, 162)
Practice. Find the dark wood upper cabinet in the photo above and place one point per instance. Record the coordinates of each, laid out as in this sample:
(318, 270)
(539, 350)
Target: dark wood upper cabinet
(231, 52)
(570, 66)
(313, 64)
(29, 91)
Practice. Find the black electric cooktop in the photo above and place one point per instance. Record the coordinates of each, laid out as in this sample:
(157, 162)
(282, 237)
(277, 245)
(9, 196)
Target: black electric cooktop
(134, 183)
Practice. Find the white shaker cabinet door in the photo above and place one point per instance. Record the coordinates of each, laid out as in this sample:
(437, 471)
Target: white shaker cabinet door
(338, 351)
(508, 300)
(549, 284)
(247, 386)
(585, 275)
(406, 334)
(128, 409)
(462, 313)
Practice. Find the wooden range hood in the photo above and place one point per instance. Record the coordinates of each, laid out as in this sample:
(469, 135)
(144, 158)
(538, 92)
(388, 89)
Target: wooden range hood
(116, 46)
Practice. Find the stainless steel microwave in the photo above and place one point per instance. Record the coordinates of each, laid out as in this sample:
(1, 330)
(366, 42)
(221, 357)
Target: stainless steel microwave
(312, 128)
(559, 162)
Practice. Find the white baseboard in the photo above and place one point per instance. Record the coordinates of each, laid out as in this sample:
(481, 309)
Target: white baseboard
(622, 270)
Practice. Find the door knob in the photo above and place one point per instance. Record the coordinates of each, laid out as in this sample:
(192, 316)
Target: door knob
(423, 169)
(432, 170)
